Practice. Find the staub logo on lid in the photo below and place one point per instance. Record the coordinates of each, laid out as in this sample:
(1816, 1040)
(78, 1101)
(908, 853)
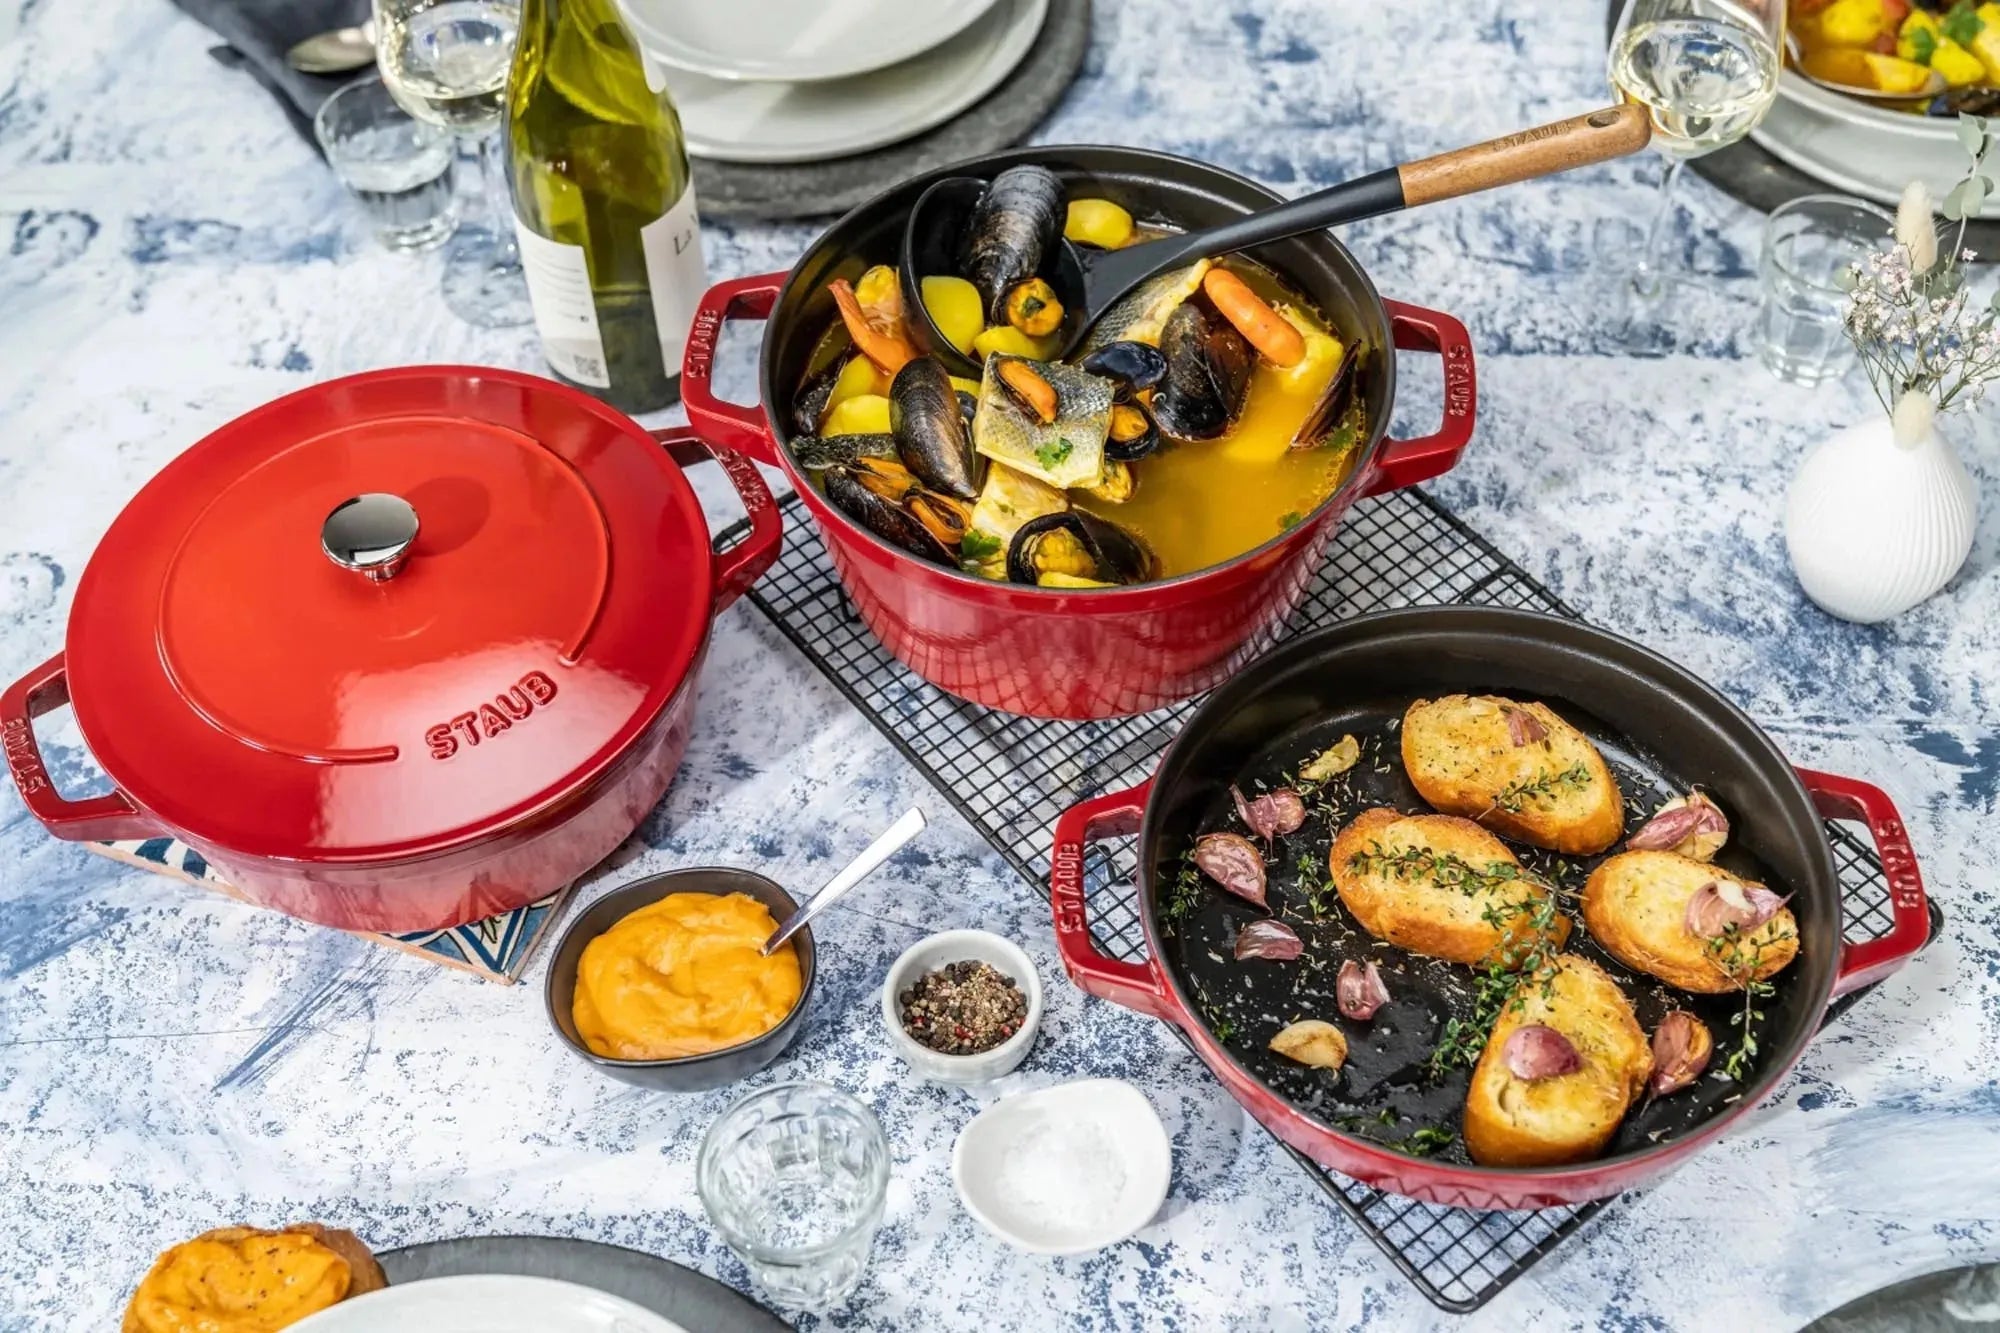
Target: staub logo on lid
(536, 690)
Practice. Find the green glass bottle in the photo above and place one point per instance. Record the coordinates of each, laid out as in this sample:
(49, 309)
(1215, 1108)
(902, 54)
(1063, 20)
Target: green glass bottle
(604, 205)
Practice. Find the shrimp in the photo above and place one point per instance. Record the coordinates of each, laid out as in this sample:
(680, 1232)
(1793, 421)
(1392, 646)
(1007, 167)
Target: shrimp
(1264, 328)
(877, 331)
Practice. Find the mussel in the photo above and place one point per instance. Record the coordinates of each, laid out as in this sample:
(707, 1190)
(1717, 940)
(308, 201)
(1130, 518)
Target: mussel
(1334, 402)
(1014, 225)
(968, 407)
(932, 434)
(1133, 434)
(1208, 375)
(810, 404)
(1132, 366)
(1028, 385)
(1077, 549)
(816, 452)
(886, 498)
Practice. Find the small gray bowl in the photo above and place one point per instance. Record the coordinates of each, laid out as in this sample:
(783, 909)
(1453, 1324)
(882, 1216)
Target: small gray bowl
(687, 1073)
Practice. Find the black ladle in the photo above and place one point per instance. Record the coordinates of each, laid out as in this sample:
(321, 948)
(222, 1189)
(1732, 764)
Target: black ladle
(1090, 281)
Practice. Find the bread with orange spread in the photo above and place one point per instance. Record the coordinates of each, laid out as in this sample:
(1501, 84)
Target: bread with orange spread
(247, 1280)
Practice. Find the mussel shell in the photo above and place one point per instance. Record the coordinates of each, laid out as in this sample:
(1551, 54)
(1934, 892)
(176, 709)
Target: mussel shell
(1208, 375)
(1131, 451)
(809, 404)
(1334, 403)
(968, 407)
(931, 431)
(885, 518)
(1014, 225)
(1132, 366)
(1119, 556)
(816, 452)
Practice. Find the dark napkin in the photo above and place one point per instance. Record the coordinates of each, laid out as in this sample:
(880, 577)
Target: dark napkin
(259, 32)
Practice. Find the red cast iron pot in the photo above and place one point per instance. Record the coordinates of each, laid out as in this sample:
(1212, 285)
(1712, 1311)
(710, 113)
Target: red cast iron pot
(383, 733)
(1093, 652)
(1664, 730)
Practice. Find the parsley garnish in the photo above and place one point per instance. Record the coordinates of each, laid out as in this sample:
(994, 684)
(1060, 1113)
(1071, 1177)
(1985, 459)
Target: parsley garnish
(1923, 45)
(1052, 454)
(1289, 520)
(977, 546)
(1961, 24)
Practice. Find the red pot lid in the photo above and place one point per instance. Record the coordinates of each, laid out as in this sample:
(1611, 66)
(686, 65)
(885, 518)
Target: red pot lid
(262, 655)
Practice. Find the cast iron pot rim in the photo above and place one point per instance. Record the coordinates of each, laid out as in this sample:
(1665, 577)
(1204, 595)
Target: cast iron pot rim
(1143, 158)
(1382, 624)
(566, 1004)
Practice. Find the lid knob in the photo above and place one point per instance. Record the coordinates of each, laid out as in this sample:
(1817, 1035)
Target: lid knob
(370, 534)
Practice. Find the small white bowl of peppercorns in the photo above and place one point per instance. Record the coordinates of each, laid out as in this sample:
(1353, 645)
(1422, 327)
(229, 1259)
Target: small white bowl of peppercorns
(962, 1006)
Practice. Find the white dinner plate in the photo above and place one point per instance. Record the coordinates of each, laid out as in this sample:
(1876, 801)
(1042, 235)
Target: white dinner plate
(487, 1304)
(804, 122)
(795, 41)
(1863, 150)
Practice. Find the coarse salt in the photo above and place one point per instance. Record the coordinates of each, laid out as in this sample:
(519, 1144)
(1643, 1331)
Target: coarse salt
(1061, 1176)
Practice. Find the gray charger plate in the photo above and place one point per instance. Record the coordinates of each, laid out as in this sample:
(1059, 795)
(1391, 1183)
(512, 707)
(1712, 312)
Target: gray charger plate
(733, 191)
(697, 1303)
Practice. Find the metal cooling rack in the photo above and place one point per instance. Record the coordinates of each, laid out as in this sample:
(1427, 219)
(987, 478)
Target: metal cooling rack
(1011, 776)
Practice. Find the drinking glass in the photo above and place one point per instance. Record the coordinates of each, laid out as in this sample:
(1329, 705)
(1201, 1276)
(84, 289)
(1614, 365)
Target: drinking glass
(398, 167)
(446, 62)
(794, 1177)
(1707, 70)
(1808, 243)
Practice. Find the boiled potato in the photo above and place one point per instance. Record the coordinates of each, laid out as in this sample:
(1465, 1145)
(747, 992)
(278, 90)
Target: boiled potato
(867, 414)
(1852, 22)
(878, 287)
(956, 309)
(859, 378)
(1959, 66)
(1097, 222)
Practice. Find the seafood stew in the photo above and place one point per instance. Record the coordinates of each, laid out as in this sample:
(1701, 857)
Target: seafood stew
(1204, 417)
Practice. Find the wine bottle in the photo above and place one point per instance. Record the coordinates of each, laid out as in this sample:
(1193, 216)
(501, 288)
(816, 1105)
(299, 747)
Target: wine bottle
(604, 206)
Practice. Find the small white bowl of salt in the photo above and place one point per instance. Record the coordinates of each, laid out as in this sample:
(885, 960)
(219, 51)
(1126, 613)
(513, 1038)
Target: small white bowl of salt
(1067, 1169)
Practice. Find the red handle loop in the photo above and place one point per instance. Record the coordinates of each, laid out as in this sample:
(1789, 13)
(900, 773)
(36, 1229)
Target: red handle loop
(1406, 462)
(111, 817)
(734, 426)
(1866, 962)
(1139, 986)
(747, 561)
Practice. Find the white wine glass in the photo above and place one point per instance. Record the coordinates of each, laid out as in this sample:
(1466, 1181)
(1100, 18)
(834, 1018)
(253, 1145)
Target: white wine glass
(1707, 71)
(446, 62)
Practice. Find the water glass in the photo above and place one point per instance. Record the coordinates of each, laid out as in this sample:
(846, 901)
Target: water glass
(1808, 244)
(396, 165)
(794, 1177)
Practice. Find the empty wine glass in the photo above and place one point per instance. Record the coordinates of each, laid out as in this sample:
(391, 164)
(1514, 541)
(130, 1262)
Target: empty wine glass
(446, 62)
(1707, 70)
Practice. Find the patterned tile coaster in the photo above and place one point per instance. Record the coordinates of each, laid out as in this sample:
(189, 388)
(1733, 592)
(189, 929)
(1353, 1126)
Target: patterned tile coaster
(496, 948)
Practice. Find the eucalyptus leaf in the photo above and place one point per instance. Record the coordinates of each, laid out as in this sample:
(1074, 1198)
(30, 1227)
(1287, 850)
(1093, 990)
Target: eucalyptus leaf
(1971, 132)
(1847, 279)
(1977, 190)
(1995, 302)
(1953, 206)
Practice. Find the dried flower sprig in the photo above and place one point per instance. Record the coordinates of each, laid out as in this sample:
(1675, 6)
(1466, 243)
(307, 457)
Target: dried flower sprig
(1926, 344)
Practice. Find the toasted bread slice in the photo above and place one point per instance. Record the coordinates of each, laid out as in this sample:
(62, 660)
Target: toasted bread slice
(1569, 1117)
(1553, 791)
(246, 1274)
(1437, 885)
(1636, 903)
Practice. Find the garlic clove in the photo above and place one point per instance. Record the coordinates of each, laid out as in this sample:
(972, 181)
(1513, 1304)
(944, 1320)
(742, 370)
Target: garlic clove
(1359, 990)
(1720, 904)
(1272, 813)
(1268, 939)
(1524, 728)
(1536, 1052)
(1233, 861)
(1331, 762)
(1692, 826)
(1312, 1041)
(1681, 1047)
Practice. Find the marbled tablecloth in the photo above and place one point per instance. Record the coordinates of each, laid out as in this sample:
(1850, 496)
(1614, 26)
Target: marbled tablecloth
(171, 255)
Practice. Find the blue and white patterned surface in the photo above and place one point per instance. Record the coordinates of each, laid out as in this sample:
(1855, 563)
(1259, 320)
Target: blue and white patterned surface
(171, 255)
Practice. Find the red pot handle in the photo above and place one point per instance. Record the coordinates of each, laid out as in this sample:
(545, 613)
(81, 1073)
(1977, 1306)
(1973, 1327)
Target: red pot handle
(1139, 986)
(732, 425)
(1406, 462)
(747, 561)
(1869, 961)
(111, 817)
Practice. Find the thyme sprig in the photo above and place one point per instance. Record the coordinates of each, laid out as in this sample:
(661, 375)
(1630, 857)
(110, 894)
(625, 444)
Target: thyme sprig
(1741, 957)
(1184, 894)
(1447, 870)
(1527, 956)
(1425, 1142)
(1542, 788)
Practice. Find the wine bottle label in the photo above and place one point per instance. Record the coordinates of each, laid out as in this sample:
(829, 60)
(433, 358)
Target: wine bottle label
(676, 273)
(565, 315)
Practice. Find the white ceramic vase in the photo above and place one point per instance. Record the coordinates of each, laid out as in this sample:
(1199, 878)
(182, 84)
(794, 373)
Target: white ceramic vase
(1880, 516)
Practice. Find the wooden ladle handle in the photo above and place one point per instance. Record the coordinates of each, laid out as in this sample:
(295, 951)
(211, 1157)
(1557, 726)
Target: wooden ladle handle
(1542, 151)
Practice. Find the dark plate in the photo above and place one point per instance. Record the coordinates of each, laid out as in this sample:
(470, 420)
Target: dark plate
(698, 1303)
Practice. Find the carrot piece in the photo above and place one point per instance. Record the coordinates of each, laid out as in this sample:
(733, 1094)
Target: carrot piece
(879, 335)
(1265, 329)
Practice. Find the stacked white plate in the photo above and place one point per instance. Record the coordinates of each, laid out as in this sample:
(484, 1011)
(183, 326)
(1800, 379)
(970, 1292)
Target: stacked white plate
(803, 80)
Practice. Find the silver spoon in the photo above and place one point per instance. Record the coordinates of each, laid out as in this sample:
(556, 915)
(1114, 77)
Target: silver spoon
(1932, 86)
(860, 868)
(335, 51)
